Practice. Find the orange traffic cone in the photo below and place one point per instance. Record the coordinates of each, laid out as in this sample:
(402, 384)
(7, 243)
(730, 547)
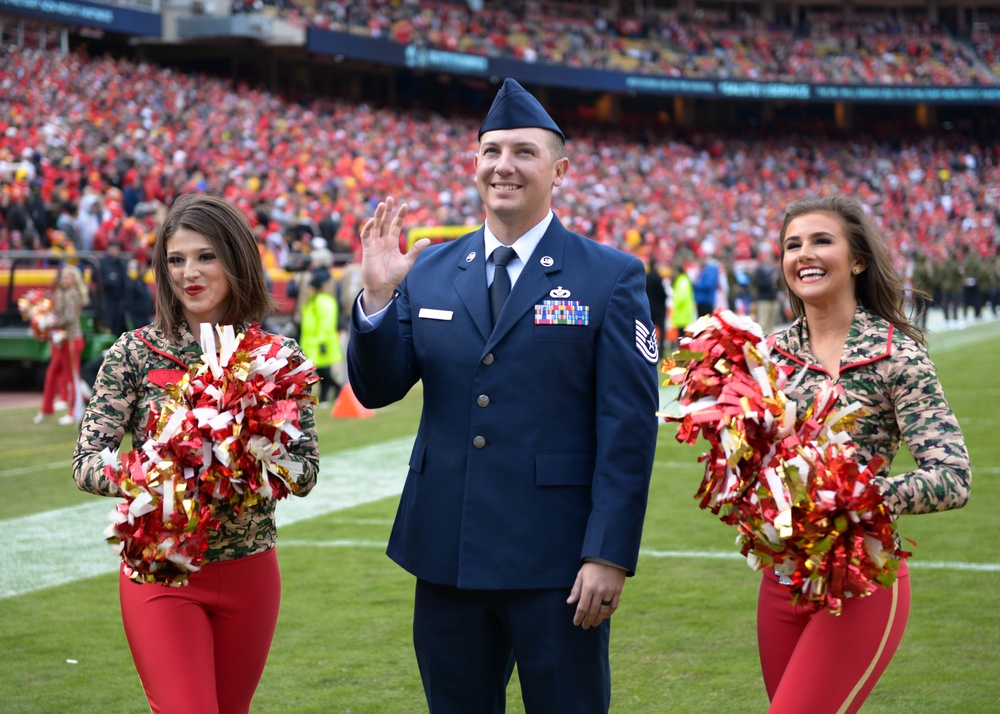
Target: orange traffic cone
(347, 406)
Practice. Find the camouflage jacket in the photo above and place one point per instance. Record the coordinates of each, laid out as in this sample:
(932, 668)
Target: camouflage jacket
(893, 378)
(66, 306)
(122, 396)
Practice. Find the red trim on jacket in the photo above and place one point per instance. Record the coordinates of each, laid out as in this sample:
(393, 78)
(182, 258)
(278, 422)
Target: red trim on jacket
(843, 368)
(160, 352)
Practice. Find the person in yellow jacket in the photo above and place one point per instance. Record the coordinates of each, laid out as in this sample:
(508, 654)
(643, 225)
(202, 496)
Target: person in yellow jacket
(683, 310)
(319, 338)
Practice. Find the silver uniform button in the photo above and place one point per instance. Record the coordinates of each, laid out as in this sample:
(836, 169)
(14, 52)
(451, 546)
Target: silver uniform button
(482, 400)
(488, 359)
(479, 442)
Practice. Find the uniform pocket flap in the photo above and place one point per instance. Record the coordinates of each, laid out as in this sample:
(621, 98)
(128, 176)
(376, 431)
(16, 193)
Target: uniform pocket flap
(573, 468)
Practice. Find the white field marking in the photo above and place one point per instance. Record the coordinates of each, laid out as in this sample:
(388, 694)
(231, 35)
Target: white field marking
(682, 554)
(723, 555)
(363, 522)
(67, 544)
(54, 466)
(287, 543)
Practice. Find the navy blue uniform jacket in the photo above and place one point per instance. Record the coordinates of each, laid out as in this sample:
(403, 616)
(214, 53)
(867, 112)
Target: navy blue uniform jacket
(536, 441)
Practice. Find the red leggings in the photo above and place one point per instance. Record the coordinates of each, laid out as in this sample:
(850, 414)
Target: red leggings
(201, 648)
(818, 663)
(59, 382)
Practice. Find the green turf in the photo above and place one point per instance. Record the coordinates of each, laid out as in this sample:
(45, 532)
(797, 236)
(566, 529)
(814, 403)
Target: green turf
(682, 642)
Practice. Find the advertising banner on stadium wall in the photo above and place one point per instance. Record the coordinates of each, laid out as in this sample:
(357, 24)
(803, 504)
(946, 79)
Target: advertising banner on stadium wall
(85, 14)
(419, 57)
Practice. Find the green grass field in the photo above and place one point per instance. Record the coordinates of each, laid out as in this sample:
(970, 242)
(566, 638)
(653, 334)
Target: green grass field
(683, 640)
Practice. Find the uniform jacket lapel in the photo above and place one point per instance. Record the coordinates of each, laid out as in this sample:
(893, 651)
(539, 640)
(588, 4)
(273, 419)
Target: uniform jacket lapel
(471, 283)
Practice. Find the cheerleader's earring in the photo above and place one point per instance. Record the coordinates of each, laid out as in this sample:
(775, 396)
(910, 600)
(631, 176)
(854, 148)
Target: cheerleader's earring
(857, 270)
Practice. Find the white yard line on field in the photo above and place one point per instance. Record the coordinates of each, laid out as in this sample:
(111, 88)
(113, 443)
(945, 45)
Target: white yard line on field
(685, 554)
(724, 555)
(66, 466)
(63, 545)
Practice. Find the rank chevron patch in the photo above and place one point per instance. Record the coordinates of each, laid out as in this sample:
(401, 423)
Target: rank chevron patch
(645, 342)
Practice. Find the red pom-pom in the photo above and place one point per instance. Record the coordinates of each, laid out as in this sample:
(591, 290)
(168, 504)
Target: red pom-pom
(802, 504)
(219, 438)
(36, 308)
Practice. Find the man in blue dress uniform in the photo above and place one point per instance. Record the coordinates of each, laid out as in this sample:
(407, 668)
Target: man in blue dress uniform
(522, 511)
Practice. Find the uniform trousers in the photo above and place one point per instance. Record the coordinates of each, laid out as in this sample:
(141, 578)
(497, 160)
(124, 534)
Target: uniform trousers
(467, 642)
(815, 662)
(201, 648)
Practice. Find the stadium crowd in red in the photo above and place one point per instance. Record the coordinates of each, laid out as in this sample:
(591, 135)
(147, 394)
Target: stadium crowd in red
(93, 150)
(868, 48)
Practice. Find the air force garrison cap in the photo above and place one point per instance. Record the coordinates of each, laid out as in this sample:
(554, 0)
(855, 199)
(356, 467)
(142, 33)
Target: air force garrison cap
(516, 108)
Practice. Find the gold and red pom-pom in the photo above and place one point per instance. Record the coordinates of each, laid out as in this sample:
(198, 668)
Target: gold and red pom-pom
(219, 439)
(800, 501)
(36, 309)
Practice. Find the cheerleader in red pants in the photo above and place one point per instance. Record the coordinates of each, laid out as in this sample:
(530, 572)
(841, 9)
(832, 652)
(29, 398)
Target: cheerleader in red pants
(851, 328)
(199, 648)
(65, 342)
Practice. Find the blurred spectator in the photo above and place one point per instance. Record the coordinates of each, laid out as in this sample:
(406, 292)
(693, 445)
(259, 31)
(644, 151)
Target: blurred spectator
(138, 297)
(683, 309)
(66, 345)
(740, 294)
(319, 339)
(993, 272)
(765, 291)
(320, 259)
(922, 282)
(656, 292)
(66, 223)
(973, 279)
(113, 274)
(951, 290)
(89, 216)
(711, 288)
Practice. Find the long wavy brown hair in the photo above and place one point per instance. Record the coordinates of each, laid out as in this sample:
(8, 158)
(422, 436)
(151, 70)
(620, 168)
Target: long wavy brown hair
(878, 288)
(230, 234)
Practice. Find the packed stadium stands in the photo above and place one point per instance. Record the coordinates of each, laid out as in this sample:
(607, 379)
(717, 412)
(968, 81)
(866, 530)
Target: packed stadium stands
(870, 47)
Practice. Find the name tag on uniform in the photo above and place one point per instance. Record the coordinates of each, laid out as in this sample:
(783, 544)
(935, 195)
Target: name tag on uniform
(432, 314)
(562, 312)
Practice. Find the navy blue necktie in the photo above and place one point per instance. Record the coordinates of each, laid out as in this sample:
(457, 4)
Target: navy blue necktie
(500, 288)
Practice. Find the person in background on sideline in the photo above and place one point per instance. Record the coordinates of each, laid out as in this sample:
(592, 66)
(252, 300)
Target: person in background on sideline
(202, 647)
(298, 288)
(656, 293)
(711, 287)
(922, 279)
(973, 278)
(951, 289)
(852, 328)
(138, 297)
(320, 338)
(65, 343)
(683, 310)
(765, 290)
(522, 512)
(113, 275)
